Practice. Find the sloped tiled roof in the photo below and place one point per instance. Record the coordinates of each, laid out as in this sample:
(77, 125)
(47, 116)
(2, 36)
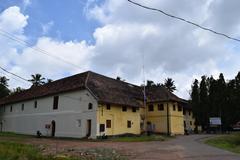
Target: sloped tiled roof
(110, 90)
(159, 93)
(105, 90)
(63, 85)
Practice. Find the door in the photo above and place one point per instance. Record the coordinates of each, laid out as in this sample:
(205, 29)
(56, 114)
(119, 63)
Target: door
(1, 126)
(53, 128)
(89, 126)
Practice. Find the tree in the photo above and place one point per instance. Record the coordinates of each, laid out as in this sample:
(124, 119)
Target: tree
(150, 83)
(17, 90)
(49, 81)
(4, 81)
(37, 80)
(221, 99)
(203, 105)
(195, 102)
(120, 79)
(4, 91)
(213, 96)
(169, 84)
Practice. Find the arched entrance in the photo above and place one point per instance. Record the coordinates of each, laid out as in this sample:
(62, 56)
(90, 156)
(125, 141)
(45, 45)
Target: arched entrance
(53, 126)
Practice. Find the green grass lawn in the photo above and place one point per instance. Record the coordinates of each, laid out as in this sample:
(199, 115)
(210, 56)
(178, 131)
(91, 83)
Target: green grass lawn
(229, 142)
(17, 151)
(142, 138)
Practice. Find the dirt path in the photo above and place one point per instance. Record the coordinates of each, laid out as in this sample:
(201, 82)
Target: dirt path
(181, 148)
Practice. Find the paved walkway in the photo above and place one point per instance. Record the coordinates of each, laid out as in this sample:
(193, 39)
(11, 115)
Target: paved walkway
(185, 148)
(182, 148)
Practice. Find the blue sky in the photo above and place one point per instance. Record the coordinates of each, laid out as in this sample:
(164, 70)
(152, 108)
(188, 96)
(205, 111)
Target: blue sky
(67, 19)
(110, 37)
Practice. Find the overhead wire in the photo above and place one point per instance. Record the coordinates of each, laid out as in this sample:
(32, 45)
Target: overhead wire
(14, 74)
(8, 76)
(27, 44)
(185, 20)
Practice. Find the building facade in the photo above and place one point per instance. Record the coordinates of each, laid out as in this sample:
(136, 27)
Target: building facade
(92, 105)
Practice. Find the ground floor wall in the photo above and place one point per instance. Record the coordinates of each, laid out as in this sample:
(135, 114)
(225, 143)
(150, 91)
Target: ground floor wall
(176, 125)
(75, 116)
(114, 121)
(60, 124)
(163, 117)
(158, 123)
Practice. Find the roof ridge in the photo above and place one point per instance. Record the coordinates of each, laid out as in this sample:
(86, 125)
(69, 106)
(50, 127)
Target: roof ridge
(115, 79)
(86, 81)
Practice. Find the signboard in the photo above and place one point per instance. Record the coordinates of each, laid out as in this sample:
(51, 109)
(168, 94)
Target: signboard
(215, 121)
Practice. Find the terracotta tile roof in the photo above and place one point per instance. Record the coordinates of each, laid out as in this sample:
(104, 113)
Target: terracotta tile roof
(63, 85)
(110, 90)
(159, 93)
(105, 90)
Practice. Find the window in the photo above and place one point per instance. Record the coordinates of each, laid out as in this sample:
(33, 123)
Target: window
(150, 108)
(184, 111)
(79, 123)
(108, 106)
(4, 108)
(35, 104)
(55, 102)
(90, 106)
(11, 108)
(124, 109)
(142, 126)
(23, 107)
(160, 107)
(189, 113)
(174, 107)
(108, 123)
(134, 109)
(190, 122)
(179, 108)
(102, 128)
(129, 124)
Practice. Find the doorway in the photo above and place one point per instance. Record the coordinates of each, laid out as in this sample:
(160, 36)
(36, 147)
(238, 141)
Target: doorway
(53, 128)
(1, 126)
(89, 126)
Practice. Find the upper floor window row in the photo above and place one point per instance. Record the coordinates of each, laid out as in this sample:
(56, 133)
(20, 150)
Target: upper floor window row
(134, 109)
(160, 107)
(35, 104)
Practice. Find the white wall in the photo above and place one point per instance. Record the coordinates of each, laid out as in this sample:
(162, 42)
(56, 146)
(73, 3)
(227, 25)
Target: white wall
(72, 106)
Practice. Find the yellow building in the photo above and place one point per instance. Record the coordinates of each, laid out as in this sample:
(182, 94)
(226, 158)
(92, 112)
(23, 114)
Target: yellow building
(118, 119)
(92, 105)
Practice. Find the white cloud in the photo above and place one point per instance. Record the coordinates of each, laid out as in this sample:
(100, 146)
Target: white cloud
(12, 20)
(26, 3)
(47, 27)
(25, 61)
(171, 48)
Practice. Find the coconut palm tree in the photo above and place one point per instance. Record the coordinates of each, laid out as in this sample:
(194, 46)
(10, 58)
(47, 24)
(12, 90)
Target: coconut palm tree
(169, 84)
(4, 81)
(49, 81)
(37, 80)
